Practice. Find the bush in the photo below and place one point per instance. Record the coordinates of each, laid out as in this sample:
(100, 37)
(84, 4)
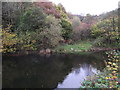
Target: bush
(9, 40)
(26, 42)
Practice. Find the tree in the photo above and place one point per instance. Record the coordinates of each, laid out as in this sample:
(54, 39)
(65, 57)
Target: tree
(50, 36)
(11, 12)
(107, 31)
(67, 29)
(65, 22)
(75, 22)
(32, 19)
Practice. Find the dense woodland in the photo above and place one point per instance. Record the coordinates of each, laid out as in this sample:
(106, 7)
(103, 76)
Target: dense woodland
(40, 25)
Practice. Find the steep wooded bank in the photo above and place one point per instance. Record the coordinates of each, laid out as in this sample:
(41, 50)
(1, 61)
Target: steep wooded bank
(41, 25)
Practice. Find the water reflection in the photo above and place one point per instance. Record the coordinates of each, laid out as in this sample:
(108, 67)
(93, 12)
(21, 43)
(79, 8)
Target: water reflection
(76, 76)
(55, 71)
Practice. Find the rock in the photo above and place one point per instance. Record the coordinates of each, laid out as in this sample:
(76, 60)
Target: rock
(72, 49)
(48, 51)
(42, 51)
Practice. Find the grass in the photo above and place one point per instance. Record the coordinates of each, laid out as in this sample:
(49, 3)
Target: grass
(74, 48)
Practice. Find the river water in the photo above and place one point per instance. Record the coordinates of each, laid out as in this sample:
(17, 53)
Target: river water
(53, 71)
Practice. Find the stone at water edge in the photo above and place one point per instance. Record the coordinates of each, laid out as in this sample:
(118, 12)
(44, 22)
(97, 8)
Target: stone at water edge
(48, 51)
(42, 51)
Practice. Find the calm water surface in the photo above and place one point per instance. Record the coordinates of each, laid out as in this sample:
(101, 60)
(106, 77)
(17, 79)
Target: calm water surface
(54, 71)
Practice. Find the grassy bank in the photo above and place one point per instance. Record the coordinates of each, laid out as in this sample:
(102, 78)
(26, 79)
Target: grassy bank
(79, 47)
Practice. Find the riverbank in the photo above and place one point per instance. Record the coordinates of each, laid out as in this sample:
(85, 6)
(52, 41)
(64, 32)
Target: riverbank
(79, 48)
(52, 51)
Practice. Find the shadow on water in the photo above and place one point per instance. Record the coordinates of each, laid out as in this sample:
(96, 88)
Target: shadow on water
(54, 71)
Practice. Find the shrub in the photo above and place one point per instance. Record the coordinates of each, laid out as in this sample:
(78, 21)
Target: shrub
(9, 40)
